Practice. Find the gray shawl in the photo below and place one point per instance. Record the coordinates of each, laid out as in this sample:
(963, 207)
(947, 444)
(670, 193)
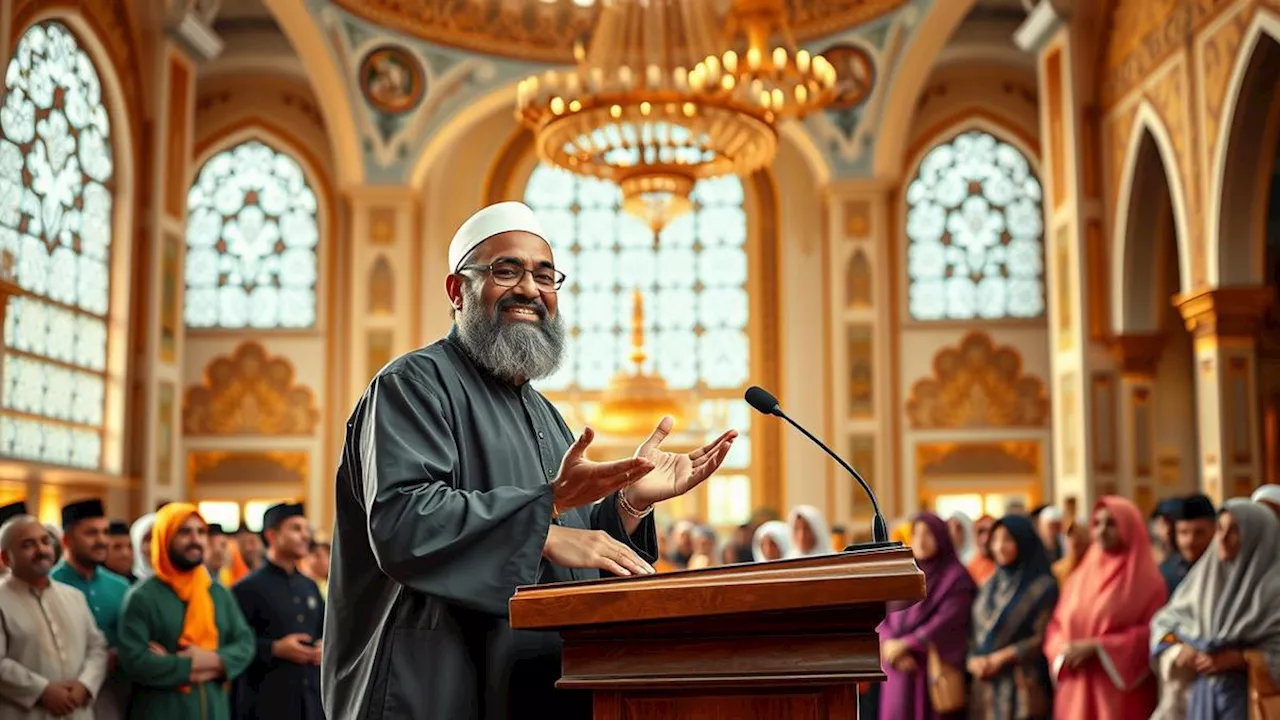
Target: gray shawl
(1234, 604)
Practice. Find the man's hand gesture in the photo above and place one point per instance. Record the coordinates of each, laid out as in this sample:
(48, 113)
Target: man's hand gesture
(582, 481)
(675, 474)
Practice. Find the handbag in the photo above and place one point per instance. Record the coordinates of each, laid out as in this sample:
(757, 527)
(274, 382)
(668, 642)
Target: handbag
(947, 692)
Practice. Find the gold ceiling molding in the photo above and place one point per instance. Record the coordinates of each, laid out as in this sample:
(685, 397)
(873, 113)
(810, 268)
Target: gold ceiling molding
(223, 467)
(249, 393)
(988, 459)
(977, 385)
(546, 32)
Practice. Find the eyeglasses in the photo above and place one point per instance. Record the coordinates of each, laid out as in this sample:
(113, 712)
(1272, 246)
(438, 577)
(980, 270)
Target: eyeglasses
(509, 274)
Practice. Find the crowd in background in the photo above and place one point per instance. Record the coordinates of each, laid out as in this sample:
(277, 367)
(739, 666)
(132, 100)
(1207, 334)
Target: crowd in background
(168, 617)
(1031, 615)
(1035, 615)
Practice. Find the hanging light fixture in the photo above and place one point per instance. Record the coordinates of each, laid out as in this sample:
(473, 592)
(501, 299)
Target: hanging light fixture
(635, 400)
(661, 99)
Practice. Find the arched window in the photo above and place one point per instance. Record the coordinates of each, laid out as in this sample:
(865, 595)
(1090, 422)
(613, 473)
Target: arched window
(56, 219)
(975, 231)
(694, 289)
(251, 242)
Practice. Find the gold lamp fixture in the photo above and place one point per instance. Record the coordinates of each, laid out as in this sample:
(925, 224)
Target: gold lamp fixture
(635, 401)
(666, 96)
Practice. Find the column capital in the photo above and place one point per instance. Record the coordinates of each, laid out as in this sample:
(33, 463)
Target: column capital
(1225, 312)
(1138, 354)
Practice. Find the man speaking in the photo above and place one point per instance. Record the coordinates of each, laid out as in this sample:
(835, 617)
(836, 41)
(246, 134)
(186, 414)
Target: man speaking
(459, 482)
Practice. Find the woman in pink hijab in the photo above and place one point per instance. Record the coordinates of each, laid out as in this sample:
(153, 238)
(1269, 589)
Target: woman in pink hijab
(1096, 642)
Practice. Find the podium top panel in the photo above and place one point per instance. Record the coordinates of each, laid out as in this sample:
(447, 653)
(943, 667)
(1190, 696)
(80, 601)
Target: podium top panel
(824, 582)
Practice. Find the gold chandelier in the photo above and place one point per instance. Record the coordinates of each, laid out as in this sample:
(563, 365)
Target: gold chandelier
(636, 400)
(665, 97)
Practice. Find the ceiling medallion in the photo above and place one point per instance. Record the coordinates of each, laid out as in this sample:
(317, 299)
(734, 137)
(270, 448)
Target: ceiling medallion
(668, 94)
(391, 80)
(855, 72)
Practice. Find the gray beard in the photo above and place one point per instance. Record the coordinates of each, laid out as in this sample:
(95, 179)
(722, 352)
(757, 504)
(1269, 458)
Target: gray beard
(509, 350)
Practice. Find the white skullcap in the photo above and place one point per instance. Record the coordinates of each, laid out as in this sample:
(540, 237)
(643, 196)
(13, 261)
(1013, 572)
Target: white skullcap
(1051, 514)
(492, 220)
(1270, 493)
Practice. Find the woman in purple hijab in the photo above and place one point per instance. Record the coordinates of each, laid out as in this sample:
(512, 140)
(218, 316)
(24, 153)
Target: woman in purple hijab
(940, 621)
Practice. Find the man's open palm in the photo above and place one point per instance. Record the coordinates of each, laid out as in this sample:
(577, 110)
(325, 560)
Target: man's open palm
(675, 474)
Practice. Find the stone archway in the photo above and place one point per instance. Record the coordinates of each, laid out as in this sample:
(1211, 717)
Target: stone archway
(1241, 197)
(1158, 355)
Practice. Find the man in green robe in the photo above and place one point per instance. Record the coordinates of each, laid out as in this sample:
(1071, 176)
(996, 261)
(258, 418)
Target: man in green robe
(182, 636)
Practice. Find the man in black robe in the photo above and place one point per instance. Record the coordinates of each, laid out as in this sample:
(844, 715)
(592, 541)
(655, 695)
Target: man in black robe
(459, 482)
(284, 609)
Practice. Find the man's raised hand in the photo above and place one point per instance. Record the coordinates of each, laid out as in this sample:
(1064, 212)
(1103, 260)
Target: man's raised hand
(582, 481)
(675, 474)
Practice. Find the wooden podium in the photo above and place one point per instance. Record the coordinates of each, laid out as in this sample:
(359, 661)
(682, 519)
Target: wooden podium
(761, 641)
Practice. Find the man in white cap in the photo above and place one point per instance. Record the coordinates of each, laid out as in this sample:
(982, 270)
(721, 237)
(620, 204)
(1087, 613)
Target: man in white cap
(459, 482)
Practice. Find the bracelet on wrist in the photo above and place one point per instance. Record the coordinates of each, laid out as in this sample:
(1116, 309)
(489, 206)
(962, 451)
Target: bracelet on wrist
(629, 510)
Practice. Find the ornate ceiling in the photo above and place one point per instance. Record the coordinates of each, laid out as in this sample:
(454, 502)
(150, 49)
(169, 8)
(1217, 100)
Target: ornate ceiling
(542, 31)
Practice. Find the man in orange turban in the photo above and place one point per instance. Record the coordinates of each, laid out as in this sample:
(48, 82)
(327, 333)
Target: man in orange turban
(182, 636)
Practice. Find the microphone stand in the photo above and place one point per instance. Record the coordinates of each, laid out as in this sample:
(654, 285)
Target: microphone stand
(879, 528)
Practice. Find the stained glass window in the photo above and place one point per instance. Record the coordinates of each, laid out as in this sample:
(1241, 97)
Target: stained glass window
(975, 231)
(252, 233)
(56, 198)
(694, 290)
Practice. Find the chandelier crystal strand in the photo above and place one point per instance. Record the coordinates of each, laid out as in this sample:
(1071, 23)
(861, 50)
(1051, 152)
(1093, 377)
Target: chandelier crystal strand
(658, 102)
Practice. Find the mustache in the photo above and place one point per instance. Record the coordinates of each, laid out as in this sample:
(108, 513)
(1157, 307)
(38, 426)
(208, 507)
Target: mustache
(42, 557)
(534, 304)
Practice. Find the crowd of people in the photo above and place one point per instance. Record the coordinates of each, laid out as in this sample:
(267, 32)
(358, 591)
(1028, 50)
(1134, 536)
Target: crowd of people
(1034, 615)
(170, 617)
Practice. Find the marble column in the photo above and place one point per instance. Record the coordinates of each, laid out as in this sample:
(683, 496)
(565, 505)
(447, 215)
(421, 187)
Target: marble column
(860, 377)
(1224, 323)
(1083, 383)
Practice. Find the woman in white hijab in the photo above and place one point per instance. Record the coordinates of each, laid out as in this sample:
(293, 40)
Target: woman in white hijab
(1229, 603)
(809, 534)
(960, 527)
(140, 537)
(771, 541)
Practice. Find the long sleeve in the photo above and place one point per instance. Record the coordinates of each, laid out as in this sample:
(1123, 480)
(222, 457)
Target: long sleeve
(236, 643)
(94, 671)
(951, 617)
(250, 606)
(604, 516)
(17, 683)
(1125, 656)
(469, 548)
(137, 662)
(1033, 643)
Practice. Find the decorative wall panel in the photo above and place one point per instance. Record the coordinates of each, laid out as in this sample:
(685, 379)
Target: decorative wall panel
(177, 151)
(225, 467)
(249, 393)
(381, 287)
(1057, 139)
(170, 259)
(1103, 426)
(861, 386)
(1066, 313)
(164, 434)
(977, 385)
(1071, 425)
(858, 281)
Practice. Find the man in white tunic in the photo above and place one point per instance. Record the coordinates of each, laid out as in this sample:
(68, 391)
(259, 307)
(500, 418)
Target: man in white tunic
(53, 658)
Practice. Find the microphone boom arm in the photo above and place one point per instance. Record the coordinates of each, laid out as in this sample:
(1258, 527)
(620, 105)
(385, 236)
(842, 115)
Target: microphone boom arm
(879, 530)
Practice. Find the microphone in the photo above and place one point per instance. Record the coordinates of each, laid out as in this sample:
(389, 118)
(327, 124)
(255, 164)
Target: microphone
(765, 403)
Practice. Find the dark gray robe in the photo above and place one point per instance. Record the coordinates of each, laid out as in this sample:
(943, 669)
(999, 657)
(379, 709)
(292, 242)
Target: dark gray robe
(443, 506)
